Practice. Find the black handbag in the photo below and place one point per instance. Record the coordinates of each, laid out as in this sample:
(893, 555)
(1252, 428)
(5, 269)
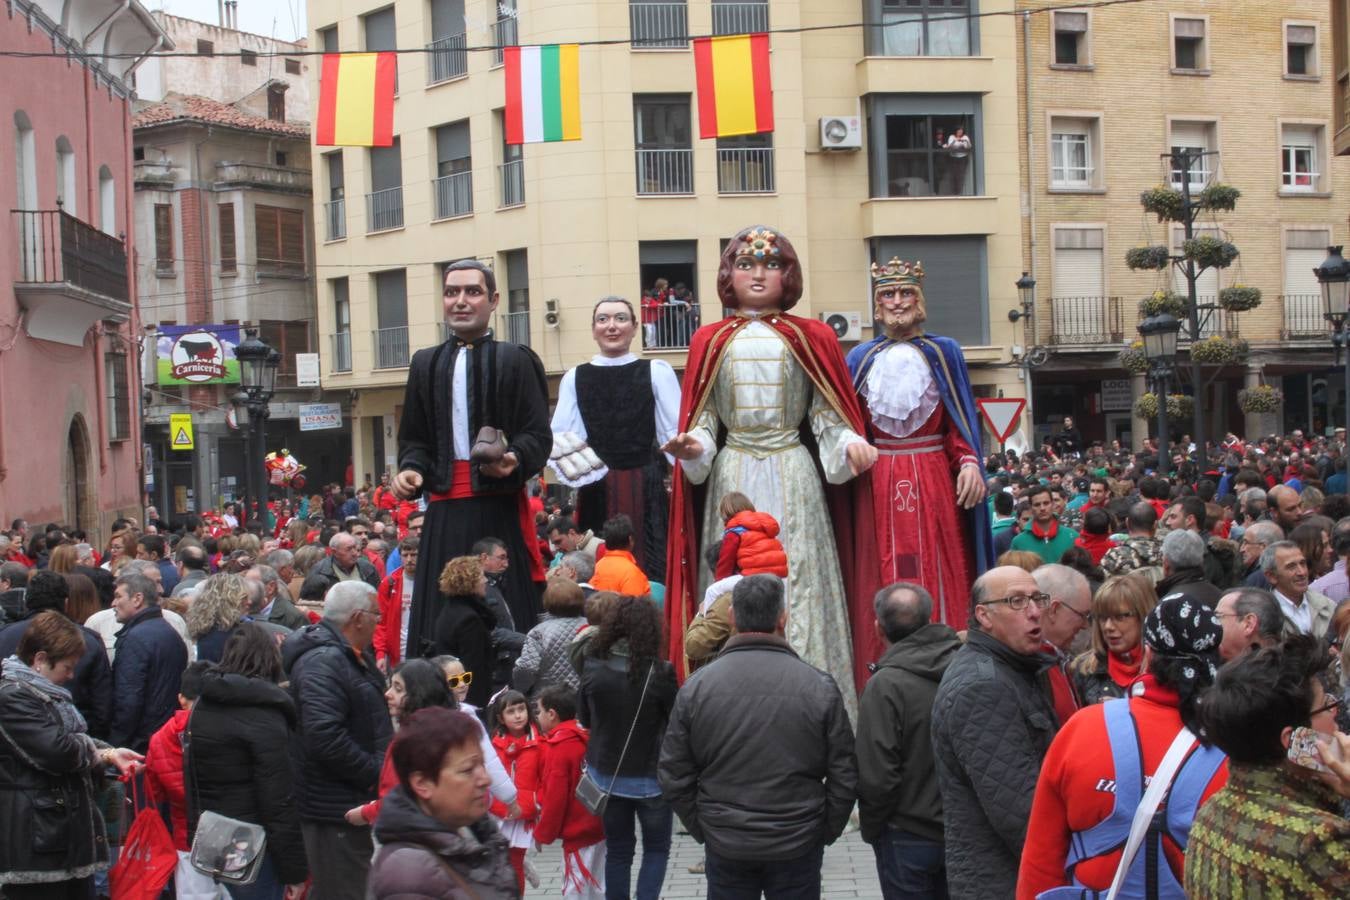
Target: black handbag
(589, 793)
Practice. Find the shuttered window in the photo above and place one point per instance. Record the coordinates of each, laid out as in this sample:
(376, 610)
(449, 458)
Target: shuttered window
(119, 397)
(164, 238)
(956, 289)
(1304, 250)
(288, 338)
(1079, 271)
(281, 240)
(229, 259)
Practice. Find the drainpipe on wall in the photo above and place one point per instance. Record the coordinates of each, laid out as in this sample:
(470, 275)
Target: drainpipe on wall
(1031, 212)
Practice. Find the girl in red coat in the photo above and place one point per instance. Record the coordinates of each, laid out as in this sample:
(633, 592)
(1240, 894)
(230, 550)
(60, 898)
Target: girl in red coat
(561, 814)
(516, 739)
(750, 543)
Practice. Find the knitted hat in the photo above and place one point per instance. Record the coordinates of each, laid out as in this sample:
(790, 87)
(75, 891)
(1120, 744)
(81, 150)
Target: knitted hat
(1182, 628)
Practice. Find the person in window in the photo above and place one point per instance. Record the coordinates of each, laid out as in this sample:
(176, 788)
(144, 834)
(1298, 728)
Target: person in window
(1302, 177)
(958, 149)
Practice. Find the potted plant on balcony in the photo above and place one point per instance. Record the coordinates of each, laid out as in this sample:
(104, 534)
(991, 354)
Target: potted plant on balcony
(1143, 258)
(1133, 360)
(1208, 252)
(1239, 297)
(1263, 398)
(1163, 302)
(1219, 351)
(1164, 202)
(1219, 196)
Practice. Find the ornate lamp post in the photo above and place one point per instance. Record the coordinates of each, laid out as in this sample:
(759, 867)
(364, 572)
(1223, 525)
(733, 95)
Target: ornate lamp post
(258, 364)
(1160, 348)
(1334, 277)
(1026, 298)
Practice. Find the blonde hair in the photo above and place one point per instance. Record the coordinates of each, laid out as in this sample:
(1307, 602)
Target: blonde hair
(1128, 593)
(734, 502)
(460, 576)
(1023, 559)
(219, 604)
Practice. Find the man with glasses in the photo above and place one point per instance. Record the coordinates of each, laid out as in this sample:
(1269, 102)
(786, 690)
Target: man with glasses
(993, 720)
(1255, 539)
(1067, 616)
(1251, 619)
(613, 414)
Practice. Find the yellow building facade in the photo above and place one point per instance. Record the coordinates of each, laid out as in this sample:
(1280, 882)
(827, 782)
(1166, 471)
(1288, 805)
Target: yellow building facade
(1104, 94)
(861, 166)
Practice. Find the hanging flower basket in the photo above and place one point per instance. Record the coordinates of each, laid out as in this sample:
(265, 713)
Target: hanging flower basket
(1164, 202)
(1146, 407)
(1220, 197)
(1263, 398)
(1210, 252)
(1218, 351)
(1239, 298)
(1163, 301)
(1156, 257)
(1180, 407)
(1133, 360)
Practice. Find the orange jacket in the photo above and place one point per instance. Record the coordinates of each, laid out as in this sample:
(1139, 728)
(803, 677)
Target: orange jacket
(618, 571)
(750, 546)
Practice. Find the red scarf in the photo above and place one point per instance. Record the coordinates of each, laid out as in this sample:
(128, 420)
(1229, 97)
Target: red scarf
(1095, 544)
(1049, 533)
(1123, 672)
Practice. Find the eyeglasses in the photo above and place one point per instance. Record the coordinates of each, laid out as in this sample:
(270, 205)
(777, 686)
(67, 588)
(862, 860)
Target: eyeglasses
(1119, 617)
(1019, 603)
(373, 613)
(457, 680)
(1332, 702)
(1085, 616)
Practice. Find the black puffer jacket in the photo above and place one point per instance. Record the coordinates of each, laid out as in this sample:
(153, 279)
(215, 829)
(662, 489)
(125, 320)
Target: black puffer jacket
(758, 756)
(464, 629)
(92, 686)
(344, 722)
(1192, 583)
(606, 704)
(237, 761)
(993, 721)
(147, 672)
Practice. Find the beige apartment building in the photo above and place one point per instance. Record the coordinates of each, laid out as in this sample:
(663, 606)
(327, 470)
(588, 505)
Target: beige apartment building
(1104, 93)
(853, 172)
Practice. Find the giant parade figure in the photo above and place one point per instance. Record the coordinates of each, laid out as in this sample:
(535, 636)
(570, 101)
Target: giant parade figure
(474, 431)
(622, 409)
(931, 523)
(768, 410)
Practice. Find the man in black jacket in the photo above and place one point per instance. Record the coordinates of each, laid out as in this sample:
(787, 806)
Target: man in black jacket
(345, 562)
(148, 666)
(344, 731)
(898, 800)
(758, 756)
(993, 720)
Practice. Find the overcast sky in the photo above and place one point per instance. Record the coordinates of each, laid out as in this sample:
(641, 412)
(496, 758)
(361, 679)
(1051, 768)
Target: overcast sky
(283, 19)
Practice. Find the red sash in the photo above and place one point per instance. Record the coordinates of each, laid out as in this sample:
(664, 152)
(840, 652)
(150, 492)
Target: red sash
(461, 488)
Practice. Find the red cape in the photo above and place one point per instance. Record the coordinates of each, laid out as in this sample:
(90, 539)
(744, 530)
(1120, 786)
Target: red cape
(816, 349)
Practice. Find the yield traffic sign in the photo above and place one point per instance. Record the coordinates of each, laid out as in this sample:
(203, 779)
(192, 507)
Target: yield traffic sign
(1001, 414)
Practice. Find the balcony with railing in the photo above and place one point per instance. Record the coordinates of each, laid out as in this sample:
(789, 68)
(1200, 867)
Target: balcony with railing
(740, 18)
(342, 351)
(454, 195)
(1085, 321)
(515, 326)
(504, 34)
(1214, 321)
(276, 178)
(391, 347)
(70, 276)
(1303, 318)
(512, 177)
(668, 325)
(665, 171)
(658, 25)
(447, 58)
(745, 170)
(384, 210)
(335, 216)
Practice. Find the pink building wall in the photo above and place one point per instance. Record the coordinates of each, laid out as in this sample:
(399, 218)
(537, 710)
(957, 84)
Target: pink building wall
(52, 394)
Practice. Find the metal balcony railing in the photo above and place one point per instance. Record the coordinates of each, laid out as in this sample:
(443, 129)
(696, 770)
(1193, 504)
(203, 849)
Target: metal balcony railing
(1085, 320)
(658, 25)
(665, 171)
(57, 248)
(1213, 320)
(384, 210)
(668, 325)
(745, 170)
(740, 18)
(1303, 318)
(342, 351)
(512, 182)
(335, 214)
(447, 58)
(504, 34)
(516, 327)
(454, 195)
(391, 347)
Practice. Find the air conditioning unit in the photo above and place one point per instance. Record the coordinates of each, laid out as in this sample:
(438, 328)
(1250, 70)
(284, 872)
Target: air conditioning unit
(847, 326)
(552, 315)
(840, 133)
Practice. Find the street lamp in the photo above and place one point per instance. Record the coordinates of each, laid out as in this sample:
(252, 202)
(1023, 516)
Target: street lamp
(1160, 349)
(258, 364)
(1334, 277)
(1026, 298)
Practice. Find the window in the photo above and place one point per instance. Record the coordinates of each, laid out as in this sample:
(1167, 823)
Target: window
(740, 16)
(292, 67)
(280, 158)
(669, 320)
(665, 157)
(1304, 250)
(1190, 52)
(384, 203)
(229, 262)
(119, 397)
(1070, 38)
(205, 48)
(658, 23)
(454, 178)
(379, 34)
(957, 284)
(512, 168)
(1075, 153)
(1079, 310)
(289, 338)
(449, 57)
(66, 194)
(107, 201)
(335, 209)
(281, 240)
(1206, 285)
(745, 164)
(1300, 49)
(924, 145)
(517, 297)
(248, 58)
(1301, 158)
(505, 31)
(921, 28)
(342, 326)
(328, 39)
(1201, 140)
(164, 239)
(391, 318)
(276, 102)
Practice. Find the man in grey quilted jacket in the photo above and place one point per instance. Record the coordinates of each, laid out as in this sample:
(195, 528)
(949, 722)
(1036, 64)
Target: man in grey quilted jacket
(993, 720)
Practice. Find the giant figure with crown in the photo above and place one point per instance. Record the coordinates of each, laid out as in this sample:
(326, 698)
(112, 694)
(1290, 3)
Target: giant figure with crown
(768, 409)
(931, 524)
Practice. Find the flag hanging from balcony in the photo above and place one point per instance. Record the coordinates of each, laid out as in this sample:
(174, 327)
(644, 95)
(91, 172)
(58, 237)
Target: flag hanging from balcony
(735, 95)
(356, 100)
(543, 93)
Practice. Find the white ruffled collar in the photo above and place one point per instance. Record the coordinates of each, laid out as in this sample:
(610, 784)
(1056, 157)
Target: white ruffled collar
(900, 390)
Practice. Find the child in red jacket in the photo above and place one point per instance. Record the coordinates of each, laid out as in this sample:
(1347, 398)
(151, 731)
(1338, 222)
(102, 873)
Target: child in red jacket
(561, 815)
(750, 543)
(517, 742)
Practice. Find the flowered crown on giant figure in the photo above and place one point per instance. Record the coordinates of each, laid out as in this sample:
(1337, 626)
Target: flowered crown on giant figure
(896, 272)
(760, 244)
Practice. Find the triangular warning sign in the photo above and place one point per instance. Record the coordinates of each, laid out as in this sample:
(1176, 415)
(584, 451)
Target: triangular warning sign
(1001, 414)
(181, 439)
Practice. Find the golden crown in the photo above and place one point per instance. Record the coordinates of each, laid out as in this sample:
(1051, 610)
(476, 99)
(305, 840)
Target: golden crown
(897, 271)
(759, 243)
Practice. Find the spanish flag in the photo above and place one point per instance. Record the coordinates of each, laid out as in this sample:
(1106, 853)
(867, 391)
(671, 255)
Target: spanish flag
(543, 93)
(356, 100)
(735, 95)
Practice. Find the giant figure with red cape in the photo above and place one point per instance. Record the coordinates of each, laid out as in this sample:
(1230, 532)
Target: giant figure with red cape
(768, 409)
